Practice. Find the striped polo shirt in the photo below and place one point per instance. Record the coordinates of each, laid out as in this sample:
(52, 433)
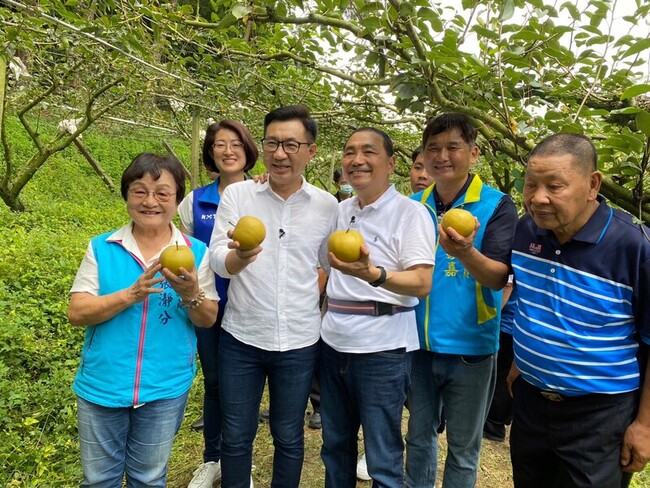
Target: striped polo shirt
(583, 306)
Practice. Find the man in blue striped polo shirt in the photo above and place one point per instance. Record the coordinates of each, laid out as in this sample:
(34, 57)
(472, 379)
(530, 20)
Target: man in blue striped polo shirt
(582, 327)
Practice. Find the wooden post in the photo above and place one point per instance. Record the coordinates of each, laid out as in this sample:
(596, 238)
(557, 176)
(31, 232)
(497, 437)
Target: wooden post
(196, 127)
(95, 165)
(171, 151)
(3, 86)
(330, 186)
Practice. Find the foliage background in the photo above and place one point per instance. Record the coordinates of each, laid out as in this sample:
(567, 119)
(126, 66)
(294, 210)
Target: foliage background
(520, 68)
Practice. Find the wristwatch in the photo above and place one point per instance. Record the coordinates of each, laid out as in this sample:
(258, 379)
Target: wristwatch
(194, 302)
(382, 278)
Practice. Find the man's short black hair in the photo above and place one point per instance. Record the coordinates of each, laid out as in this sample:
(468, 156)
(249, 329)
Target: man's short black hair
(293, 112)
(388, 143)
(449, 121)
(416, 153)
(585, 157)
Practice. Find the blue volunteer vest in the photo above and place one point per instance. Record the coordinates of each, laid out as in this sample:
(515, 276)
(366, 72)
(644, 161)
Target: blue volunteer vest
(144, 353)
(204, 209)
(460, 316)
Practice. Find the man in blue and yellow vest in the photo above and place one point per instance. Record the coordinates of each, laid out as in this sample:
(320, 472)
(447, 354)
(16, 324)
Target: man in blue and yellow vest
(458, 323)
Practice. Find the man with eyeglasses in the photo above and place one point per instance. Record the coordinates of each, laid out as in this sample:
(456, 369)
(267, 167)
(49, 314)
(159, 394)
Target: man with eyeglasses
(271, 325)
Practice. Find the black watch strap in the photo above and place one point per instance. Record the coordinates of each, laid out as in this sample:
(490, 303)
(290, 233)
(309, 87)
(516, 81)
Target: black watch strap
(382, 278)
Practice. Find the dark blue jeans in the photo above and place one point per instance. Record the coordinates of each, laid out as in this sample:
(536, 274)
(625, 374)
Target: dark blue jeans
(243, 369)
(207, 344)
(367, 390)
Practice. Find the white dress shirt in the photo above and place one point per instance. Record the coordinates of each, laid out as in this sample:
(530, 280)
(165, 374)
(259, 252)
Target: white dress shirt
(399, 233)
(273, 302)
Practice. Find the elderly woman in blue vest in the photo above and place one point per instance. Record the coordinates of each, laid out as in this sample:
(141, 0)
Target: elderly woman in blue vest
(138, 357)
(230, 151)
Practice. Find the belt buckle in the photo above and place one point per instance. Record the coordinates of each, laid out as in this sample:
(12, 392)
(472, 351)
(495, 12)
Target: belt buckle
(552, 396)
(383, 308)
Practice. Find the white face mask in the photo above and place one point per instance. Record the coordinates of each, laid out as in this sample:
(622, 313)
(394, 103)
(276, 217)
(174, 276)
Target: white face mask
(346, 189)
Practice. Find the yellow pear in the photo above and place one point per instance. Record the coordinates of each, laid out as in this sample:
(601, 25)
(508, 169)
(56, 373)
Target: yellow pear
(249, 232)
(458, 219)
(176, 257)
(345, 244)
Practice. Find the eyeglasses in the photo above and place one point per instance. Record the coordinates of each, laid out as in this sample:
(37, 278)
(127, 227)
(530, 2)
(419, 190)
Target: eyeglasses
(221, 145)
(290, 147)
(160, 195)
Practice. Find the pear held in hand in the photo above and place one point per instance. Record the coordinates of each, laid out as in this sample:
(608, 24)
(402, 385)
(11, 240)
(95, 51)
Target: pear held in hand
(345, 244)
(176, 257)
(249, 232)
(458, 219)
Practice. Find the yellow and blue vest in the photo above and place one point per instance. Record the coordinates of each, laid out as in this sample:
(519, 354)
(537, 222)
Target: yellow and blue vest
(460, 316)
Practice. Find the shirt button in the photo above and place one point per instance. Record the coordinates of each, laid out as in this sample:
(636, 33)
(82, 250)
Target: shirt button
(558, 252)
(552, 270)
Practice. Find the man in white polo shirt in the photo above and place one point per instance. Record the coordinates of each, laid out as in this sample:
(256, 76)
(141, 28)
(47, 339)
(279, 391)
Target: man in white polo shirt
(370, 326)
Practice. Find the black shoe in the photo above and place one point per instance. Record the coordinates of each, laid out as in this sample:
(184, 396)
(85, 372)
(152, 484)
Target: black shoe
(315, 421)
(264, 416)
(494, 432)
(198, 425)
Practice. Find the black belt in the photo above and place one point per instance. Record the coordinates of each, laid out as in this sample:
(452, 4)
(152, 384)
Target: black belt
(364, 308)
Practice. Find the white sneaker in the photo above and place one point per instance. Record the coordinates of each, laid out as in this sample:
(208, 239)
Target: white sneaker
(362, 469)
(205, 475)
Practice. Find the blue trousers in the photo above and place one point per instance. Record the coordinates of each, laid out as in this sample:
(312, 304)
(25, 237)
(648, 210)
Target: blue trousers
(243, 370)
(135, 442)
(367, 390)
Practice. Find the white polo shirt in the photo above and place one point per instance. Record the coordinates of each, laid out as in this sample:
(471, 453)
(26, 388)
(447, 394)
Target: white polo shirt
(273, 302)
(399, 234)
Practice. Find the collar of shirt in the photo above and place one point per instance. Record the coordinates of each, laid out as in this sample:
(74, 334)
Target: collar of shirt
(211, 193)
(387, 196)
(125, 236)
(441, 207)
(304, 191)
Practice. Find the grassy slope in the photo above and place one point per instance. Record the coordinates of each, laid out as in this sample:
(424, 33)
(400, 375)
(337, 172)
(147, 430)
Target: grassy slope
(40, 252)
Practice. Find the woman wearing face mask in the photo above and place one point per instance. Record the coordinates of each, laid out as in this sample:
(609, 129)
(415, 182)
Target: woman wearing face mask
(343, 189)
(229, 151)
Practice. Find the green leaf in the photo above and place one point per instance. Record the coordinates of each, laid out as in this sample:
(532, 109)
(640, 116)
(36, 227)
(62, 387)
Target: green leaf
(626, 111)
(371, 23)
(573, 10)
(433, 17)
(643, 122)
(507, 10)
(240, 11)
(227, 20)
(488, 33)
(635, 90)
(636, 48)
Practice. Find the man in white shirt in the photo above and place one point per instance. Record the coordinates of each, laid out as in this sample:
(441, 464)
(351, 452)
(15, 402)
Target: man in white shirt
(271, 325)
(369, 328)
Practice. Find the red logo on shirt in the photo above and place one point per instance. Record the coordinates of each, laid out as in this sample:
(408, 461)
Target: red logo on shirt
(535, 248)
